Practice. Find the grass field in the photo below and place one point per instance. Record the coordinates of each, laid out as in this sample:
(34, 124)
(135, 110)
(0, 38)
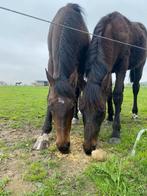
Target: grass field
(49, 173)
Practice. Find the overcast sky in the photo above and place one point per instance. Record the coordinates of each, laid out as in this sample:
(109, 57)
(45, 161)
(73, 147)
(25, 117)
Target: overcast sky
(23, 41)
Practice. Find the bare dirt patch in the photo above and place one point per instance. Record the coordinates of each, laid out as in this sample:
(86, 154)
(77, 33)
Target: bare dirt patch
(14, 165)
(76, 161)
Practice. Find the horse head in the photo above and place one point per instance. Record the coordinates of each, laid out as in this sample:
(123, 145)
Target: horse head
(61, 102)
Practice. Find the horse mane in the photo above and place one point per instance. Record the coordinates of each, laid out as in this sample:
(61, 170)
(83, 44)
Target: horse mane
(96, 68)
(95, 55)
(68, 60)
(92, 98)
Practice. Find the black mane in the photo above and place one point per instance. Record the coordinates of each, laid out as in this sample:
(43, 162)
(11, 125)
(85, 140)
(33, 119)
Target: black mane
(67, 48)
(96, 68)
(92, 98)
(69, 40)
(95, 63)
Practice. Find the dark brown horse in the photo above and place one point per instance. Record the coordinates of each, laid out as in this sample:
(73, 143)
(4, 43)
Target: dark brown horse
(106, 57)
(67, 51)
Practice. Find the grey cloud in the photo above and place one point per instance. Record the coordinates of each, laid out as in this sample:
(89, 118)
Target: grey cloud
(23, 41)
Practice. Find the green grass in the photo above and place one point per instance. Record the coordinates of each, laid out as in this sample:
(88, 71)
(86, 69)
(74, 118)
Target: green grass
(48, 188)
(22, 108)
(3, 183)
(118, 176)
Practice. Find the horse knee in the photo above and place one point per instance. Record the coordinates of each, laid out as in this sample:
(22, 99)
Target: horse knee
(135, 87)
(117, 98)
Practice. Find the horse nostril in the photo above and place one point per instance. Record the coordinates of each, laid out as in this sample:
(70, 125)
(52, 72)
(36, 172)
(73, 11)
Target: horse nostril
(64, 148)
(93, 147)
(87, 151)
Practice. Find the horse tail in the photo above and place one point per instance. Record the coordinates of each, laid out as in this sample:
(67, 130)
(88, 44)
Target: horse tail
(75, 7)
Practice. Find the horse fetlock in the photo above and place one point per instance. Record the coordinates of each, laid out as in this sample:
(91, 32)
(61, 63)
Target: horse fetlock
(42, 142)
(134, 116)
(114, 140)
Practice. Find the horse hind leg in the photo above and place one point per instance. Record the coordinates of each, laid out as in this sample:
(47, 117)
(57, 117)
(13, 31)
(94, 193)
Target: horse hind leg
(43, 140)
(135, 76)
(110, 105)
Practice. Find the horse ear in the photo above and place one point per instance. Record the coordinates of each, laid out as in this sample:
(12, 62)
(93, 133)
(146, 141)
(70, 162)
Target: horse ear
(49, 78)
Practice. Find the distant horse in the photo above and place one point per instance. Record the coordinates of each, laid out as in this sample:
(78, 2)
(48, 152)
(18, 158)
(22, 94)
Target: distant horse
(67, 52)
(18, 83)
(106, 57)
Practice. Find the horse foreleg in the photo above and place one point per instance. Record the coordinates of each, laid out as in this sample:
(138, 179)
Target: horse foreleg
(118, 99)
(110, 105)
(110, 109)
(75, 115)
(43, 140)
(135, 88)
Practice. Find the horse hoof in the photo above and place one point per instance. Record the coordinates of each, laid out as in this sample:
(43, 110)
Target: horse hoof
(134, 116)
(75, 121)
(114, 140)
(42, 142)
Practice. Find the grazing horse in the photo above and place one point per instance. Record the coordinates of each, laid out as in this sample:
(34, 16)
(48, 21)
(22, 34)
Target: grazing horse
(66, 66)
(104, 58)
(18, 83)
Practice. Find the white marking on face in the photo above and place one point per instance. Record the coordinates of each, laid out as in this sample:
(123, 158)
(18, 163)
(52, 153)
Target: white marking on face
(60, 100)
(42, 142)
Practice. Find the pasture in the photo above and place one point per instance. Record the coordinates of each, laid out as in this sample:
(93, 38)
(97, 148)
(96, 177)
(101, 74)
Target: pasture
(24, 171)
